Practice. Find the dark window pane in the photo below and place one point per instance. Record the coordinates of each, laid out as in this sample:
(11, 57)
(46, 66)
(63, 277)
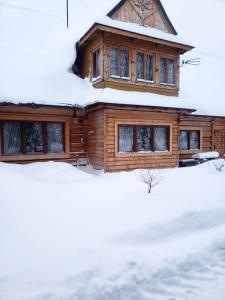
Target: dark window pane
(126, 139)
(97, 64)
(171, 71)
(184, 140)
(114, 68)
(194, 139)
(161, 139)
(11, 137)
(34, 137)
(94, 65)
(144, 142)
(125, 63)
(149, 68)
(55, 137)
(140, 66)
(163, 70)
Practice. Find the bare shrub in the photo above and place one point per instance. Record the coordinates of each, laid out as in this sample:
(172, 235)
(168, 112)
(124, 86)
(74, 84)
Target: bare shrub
(151, 177)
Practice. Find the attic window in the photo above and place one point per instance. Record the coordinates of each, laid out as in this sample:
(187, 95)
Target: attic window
(167, 71)
(144, 67)
(119, 63)
(96, 64)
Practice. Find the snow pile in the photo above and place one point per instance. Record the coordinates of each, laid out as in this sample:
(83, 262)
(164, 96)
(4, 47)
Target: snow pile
(206, 155)
(69, 233)
(37, 52)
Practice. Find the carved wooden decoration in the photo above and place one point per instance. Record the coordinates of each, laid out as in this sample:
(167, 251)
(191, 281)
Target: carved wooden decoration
(143, 8)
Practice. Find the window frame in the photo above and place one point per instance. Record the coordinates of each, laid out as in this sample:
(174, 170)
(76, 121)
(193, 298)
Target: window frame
(120, 49)
(145, 53)
(166, 84)
(36, 155)
(100, 67)
(189, 130)
(135, 141)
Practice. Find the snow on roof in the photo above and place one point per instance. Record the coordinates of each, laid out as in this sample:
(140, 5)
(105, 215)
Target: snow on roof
(142, 30)
(37, 51)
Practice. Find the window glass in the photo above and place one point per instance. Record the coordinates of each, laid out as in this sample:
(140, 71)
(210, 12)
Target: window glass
(161, 139)
(55, 137)
(97, 64)
(11, 138)
(126, 139)
(149, 68)
(34, 137)
(125, 63)
(163, 70)
(114, 68)
(194, 139)
(171, 71)
(184, 140)
(144, 142)
(140, 66)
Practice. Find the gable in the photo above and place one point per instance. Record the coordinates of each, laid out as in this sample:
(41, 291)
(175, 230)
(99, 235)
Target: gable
(148, 13)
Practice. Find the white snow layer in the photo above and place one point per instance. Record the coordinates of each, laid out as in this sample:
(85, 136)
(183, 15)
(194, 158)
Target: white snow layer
(70, 234)
(37, 52)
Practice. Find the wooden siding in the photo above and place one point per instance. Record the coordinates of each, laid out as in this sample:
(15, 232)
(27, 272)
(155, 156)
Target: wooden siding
(151, 16)
(96, 138)
(115, 161)
(219, 135)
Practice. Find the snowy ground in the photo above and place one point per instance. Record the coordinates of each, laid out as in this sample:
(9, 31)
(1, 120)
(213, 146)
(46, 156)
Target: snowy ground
(69, 234)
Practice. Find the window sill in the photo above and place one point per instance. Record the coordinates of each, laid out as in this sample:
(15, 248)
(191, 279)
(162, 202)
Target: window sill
(147, 153)
(191, 151)
(168, 85)
(30, 157)
(119, 77)
(96, 79)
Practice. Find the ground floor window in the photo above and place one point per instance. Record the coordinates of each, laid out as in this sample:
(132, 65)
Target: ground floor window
(19, 137)
(143, 138)
(189, 140)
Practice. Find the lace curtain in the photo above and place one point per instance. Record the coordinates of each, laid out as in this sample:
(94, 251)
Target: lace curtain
(114, 68)
(11, 138)
(183, 140)
(194, 140)
(171, 71)
(34, 137)
(140, 66)
(55, 137)
(124, 63)
(149, 68)
(161, 139)
(126, 139)
(144, 139)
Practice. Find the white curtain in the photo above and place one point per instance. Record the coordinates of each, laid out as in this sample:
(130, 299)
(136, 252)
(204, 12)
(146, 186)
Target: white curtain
(124, 63)
(12, 138)
(161, 139)
(114, 68)
(149, 69)
(55, 137)
(34, 137)
(140, 66)
(126, 139)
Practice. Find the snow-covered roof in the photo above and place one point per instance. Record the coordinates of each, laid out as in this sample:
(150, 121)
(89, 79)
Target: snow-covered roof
(143, 31)
(37, 51)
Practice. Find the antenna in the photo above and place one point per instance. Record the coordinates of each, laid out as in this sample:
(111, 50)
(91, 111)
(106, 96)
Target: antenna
(193, 62)
(67, 13)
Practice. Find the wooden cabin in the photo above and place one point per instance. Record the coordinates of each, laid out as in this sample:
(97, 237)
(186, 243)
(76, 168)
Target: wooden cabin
(135, 49)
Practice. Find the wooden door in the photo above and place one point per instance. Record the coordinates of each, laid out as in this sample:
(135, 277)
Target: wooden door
(219, 142)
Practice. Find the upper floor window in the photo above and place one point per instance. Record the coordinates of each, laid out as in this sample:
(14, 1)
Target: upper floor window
(167, 71)
(189, 140)
(119, 63)
(32, 137)
(144, 67)
(143, 138)
(96, 64)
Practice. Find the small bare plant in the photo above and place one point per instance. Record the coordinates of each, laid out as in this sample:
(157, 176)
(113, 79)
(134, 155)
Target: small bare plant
(219, 165)
(151, 177)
